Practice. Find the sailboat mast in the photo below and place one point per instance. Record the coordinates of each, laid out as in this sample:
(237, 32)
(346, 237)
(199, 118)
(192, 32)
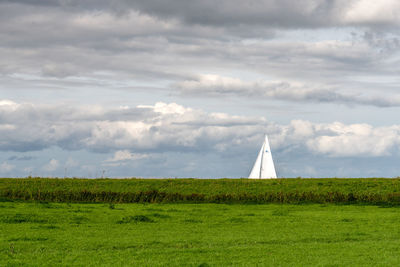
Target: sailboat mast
(262, 156)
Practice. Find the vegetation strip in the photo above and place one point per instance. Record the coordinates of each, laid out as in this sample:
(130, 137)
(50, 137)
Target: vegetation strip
(294, 191)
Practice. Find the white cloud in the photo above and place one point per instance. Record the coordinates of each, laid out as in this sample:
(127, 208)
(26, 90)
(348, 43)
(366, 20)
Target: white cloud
(165, 127)
(71, 163)
(6, 167)
(370, 11)
(5, 127)
(338, 140)
(165, 108)
(28, 170)
(90, 168)
(355, 140)
(51, 166)
(124, 155)
(8, 105)
(174, 128)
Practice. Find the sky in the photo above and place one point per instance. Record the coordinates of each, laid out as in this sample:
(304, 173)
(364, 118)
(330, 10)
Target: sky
(118, 88)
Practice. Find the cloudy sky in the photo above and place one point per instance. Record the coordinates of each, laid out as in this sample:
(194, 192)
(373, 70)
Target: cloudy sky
(176, 88)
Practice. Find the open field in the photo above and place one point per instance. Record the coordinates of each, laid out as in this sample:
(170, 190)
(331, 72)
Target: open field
(367, 191)
(50, 234)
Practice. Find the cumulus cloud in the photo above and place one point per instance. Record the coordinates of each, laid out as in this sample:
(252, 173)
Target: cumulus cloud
(124, 155)
(362, 140)
(71, 163)
(171, 127)
(51, 166)
(219, 86)
(337, 139)
(6, 167)
(372, 12)
(144, 128)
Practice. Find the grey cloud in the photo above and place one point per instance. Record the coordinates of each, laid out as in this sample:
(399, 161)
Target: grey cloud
(21, 158)
(155, 40)
(72, 48)
(380, 40)
(226, 13)
(273, 13)
(179, 61)
(30, 2)
(217, 86)
(223, 13)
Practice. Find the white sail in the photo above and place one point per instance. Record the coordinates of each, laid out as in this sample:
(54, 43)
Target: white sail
(264, 166)
(256, 171)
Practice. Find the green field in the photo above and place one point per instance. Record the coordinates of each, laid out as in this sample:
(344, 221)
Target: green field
(365, 191)
(195, 222)
(51, 234)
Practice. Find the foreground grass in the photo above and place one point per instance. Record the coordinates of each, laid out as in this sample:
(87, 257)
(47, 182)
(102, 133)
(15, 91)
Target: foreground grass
(50, 234)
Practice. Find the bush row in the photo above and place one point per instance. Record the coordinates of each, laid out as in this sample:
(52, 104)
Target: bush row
(155, 196)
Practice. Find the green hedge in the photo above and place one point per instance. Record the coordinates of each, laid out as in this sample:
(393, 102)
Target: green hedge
(367, 191)
(163, 197)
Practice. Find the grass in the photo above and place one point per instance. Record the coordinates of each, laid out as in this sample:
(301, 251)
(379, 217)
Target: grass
(73, 234)
(367, 191)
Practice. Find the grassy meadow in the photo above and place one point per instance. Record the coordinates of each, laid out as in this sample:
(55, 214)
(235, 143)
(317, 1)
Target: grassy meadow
(76, 234)
(195, 222)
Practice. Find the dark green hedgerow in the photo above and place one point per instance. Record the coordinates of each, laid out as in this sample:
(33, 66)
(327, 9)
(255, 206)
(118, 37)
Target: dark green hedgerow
(330, 190)
(155, 196)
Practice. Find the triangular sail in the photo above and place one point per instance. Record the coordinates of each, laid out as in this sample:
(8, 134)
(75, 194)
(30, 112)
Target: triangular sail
(264, 166)
(256, 171)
